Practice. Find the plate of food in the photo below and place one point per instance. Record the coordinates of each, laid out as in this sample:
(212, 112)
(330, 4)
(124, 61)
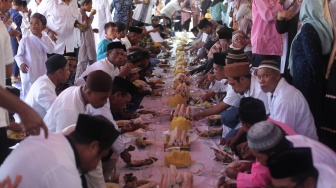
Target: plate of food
(138, 164)
(16, 135)
(196, 169)
(146, 111)
(140, 83)
(123, 123)
(112, 185)
(210, 133)
(133, 181)
(223, 156)
(135, 133)
(142, 142)
(214, 120)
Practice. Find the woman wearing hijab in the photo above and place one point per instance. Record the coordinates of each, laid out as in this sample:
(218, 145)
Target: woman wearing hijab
(216, 9)
(287, 23)
(309, 54)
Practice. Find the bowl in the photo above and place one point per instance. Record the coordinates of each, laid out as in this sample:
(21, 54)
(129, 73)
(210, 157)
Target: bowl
(214, 120)
(196, 169)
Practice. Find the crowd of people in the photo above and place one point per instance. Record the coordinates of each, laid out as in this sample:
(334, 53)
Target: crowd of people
(72, 64)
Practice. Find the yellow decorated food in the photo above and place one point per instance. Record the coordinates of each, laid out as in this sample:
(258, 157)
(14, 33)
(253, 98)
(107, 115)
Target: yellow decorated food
(156, 44)
(181, 123)
(176, 99)
(180, 48)
(176, 83)
(178, 158)
(179, 71)
(181, 62)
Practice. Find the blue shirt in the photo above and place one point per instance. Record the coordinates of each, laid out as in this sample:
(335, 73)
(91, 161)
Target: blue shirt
(102, 47)
(122, 10)
(17, 19)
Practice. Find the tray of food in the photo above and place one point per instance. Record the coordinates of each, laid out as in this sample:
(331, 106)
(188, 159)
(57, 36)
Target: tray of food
(178, 158)
(174, 178)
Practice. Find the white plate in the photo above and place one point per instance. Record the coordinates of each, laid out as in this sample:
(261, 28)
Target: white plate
(136, 133)
(121, 123)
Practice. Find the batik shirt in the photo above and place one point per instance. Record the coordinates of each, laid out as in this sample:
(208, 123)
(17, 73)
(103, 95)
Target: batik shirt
(121, 10)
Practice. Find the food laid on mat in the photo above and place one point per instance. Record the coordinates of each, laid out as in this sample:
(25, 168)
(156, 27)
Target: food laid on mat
(210, 133)
(174, 178)
(146, 111)
(178, 158)
(214, 120)
(177, 138)
(141, 163)
(124, 123)
(140, 83)
(223, 156)
(181, 120)
(16, 135)
(183, 90)
(142, 142)
(176, 99)
(132, 181)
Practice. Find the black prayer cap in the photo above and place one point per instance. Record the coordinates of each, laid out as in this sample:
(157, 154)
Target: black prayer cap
(124, 84)
(114, 45)
(156, 18)
(55, 62)
(208, 44)
(252, 110)
(219, 58)
(225, 33)
(137, 30)
(290, 162)
(96, 128)
(134, 57)
(99, 81)
(202, 23)
(70, 56)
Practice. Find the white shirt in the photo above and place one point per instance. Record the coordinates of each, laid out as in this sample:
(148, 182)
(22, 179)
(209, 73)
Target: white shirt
(170, 8)
(289, 106)
(126, 42)
(42, 95)
(102, 17)
(233, 99)
(6, 58)
(65, 109)
(320, 152)
(48, 163)
(61, 19)
(327, 176)
(148, 15)
(119, 145)
(32, 5)
(25, 25)
(103, 65)
(33, 51)
(219, 86)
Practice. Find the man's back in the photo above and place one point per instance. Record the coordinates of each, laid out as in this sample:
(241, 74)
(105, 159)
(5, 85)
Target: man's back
(65, 109)
(43, 163)
(289, 106)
